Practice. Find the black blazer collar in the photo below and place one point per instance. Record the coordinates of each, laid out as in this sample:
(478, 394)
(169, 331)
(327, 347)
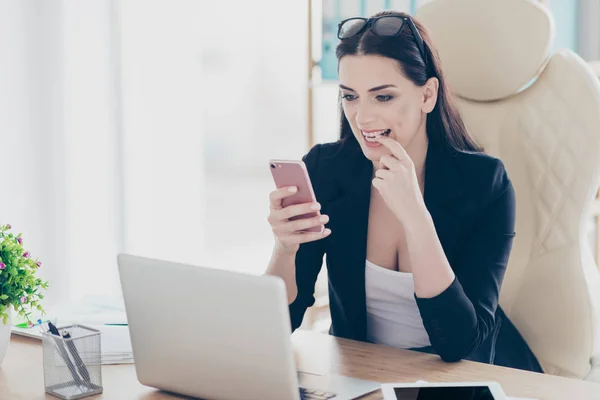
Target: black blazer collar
(442, 179)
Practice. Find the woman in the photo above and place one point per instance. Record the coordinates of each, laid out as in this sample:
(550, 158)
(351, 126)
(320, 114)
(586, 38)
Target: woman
(420, 222)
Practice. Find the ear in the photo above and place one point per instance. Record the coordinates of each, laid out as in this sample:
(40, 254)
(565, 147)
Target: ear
(430, 94)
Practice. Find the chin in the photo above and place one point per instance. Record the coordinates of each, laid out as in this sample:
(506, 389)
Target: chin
(373, 153)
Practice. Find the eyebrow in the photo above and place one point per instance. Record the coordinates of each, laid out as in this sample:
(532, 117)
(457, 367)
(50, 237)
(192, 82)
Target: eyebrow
(376, 88)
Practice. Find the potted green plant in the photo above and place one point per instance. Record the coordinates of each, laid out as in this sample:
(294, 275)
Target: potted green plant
(20, 288)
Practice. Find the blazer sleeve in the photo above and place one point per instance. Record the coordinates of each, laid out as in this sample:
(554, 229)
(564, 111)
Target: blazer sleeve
(459, 319)
(309, 258)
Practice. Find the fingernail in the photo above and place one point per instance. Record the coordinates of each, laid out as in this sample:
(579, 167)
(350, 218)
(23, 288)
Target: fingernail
(292, 189)
(315, 206)
(324, 218)
(327, 231)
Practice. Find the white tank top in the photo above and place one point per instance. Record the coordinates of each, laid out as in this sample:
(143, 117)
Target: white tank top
(393, 317)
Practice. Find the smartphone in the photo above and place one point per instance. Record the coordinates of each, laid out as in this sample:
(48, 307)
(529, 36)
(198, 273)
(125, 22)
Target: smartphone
(293, 173)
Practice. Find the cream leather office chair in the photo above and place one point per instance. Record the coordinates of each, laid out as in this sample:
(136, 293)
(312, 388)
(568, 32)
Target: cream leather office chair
(548, 136)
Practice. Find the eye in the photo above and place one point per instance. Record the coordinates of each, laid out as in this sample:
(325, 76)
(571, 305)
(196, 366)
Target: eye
(348, 97)
(384, 98)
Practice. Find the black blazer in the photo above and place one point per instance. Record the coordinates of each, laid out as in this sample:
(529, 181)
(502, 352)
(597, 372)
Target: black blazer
(471, 201)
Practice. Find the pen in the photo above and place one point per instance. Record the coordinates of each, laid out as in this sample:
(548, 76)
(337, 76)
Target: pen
(64, 355)
(25, 325)
(80, 364)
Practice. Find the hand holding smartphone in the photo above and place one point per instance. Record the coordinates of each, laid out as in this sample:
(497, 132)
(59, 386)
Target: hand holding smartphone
(288, 173)
(295, 216)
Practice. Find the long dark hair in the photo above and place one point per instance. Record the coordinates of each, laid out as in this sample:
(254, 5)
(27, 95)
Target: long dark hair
(444, 124)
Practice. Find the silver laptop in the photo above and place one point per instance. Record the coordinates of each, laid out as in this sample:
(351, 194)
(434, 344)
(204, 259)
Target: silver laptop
(217, 334)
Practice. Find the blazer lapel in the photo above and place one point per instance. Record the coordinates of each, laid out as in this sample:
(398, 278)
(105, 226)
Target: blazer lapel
(443, 189)
(346, 248)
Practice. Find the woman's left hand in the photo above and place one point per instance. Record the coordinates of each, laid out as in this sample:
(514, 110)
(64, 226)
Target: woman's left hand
(396, 181)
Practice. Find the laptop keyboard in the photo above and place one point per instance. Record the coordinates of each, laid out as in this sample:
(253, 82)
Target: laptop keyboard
(310, 394)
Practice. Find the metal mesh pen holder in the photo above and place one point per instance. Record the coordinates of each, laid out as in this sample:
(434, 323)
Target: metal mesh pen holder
(72, 362)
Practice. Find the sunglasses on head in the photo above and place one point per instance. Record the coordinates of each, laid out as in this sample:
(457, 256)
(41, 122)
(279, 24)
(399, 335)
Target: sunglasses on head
(385, 25)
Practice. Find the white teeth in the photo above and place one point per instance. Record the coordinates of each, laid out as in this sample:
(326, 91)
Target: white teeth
(374, 134)
(370, 137)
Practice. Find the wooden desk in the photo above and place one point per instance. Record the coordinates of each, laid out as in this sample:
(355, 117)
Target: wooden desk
(21, 376)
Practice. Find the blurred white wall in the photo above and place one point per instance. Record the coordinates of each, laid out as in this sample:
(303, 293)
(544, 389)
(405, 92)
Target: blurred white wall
(146, 127)
(255, 68)
(58, 139)
(161, 99)
(91, 147)
(31, 195)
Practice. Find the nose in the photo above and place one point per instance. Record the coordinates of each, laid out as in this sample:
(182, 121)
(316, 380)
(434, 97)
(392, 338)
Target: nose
(365, 114)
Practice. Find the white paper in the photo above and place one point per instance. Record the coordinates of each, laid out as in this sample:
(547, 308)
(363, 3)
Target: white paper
(115, 339)
(116, 344)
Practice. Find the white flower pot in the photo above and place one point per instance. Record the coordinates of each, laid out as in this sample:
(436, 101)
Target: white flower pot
(5, 335)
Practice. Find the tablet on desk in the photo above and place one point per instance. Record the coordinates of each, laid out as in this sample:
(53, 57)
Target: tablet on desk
(443, 390)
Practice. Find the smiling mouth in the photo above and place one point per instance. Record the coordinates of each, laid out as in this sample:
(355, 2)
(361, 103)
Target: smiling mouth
(373, 135)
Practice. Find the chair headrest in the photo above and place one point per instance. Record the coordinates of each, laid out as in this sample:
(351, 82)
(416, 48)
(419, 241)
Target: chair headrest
(490, 49)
